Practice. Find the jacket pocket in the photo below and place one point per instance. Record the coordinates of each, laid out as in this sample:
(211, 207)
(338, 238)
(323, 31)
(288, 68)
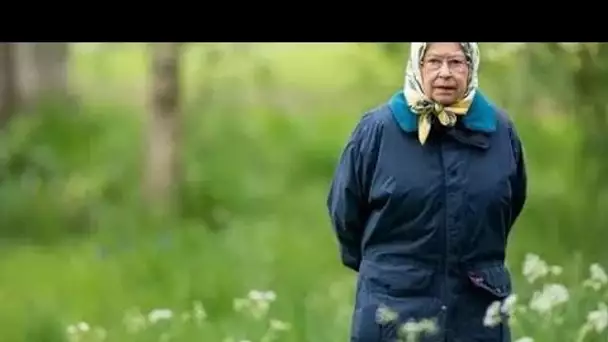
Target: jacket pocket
(493, 279)
(404, 280)
(490, 283)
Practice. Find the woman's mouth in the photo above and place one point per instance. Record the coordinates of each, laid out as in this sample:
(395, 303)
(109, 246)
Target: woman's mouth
(445, 89)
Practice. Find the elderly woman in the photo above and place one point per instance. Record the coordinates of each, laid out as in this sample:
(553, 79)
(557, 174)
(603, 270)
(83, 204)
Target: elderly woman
(423, 201)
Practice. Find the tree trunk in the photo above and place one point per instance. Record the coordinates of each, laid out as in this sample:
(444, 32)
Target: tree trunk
(9, 95)
(43, 70)
(590, 88)
(162, 158)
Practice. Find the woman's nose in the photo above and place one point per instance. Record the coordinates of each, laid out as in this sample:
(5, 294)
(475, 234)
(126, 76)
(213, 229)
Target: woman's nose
(444, 70)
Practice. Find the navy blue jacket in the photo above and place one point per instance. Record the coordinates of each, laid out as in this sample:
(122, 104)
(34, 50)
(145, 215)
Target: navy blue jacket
(426, 226)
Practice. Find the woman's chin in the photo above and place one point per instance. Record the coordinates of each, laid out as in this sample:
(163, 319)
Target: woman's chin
(445, 98)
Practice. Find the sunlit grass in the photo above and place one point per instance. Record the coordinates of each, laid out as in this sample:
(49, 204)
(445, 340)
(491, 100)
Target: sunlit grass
(552, 306)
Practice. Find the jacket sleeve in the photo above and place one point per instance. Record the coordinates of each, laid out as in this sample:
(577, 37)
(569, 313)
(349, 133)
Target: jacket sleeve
(347, 200)
(519, 180)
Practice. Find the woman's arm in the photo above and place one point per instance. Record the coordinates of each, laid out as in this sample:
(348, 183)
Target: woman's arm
(519, 180)
(348, 194)
(346, 209)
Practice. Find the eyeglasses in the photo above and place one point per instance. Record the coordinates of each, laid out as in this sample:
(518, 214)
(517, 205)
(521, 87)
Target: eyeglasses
(455, 64)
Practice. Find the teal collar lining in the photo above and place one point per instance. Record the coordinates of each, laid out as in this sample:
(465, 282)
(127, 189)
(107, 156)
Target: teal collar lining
(481, 116)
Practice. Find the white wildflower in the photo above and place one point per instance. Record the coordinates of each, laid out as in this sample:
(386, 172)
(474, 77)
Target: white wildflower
(72, 329)
(525, 339)
(157, 315)
(534, 268)
(385, 315)
(556, 270)
(492, 316)
(267, 296)
(410, 330)
(413, 330)
(428, 326)
(274, 328)
(509, 304)
(592, 284)
(199, 312)
(78, 328)
(256, 304)
(278, 325)
(82, 331)
(83, 326)
(240, 304)
(134, 320)
(597, 278)
(598, 273)
(598, 319)
(551, 296)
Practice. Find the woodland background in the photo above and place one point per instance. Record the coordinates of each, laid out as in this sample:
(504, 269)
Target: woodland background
(178, 177)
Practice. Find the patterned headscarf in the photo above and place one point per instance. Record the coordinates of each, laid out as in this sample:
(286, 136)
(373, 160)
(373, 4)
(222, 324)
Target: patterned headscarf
(422, 105)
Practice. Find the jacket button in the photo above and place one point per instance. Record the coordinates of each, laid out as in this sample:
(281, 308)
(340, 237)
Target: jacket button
(443, 308)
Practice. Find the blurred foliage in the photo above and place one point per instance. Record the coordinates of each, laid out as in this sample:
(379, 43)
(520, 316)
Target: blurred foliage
(263, 127)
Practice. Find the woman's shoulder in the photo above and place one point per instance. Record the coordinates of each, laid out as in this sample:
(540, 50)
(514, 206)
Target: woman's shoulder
(371, 125)
(503, 118)
(376, 117)
(506, 124)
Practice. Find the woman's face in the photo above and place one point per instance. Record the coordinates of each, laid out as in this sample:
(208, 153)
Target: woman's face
(445, 72)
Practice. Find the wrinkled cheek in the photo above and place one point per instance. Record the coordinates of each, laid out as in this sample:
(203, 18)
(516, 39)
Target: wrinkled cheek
(463, 85)
(428, 89)
(462, 91)
(427, 80)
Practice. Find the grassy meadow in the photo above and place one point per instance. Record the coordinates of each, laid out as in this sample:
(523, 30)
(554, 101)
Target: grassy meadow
(248, 254)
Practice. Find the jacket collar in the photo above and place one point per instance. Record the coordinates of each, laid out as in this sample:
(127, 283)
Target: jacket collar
(481, 116)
